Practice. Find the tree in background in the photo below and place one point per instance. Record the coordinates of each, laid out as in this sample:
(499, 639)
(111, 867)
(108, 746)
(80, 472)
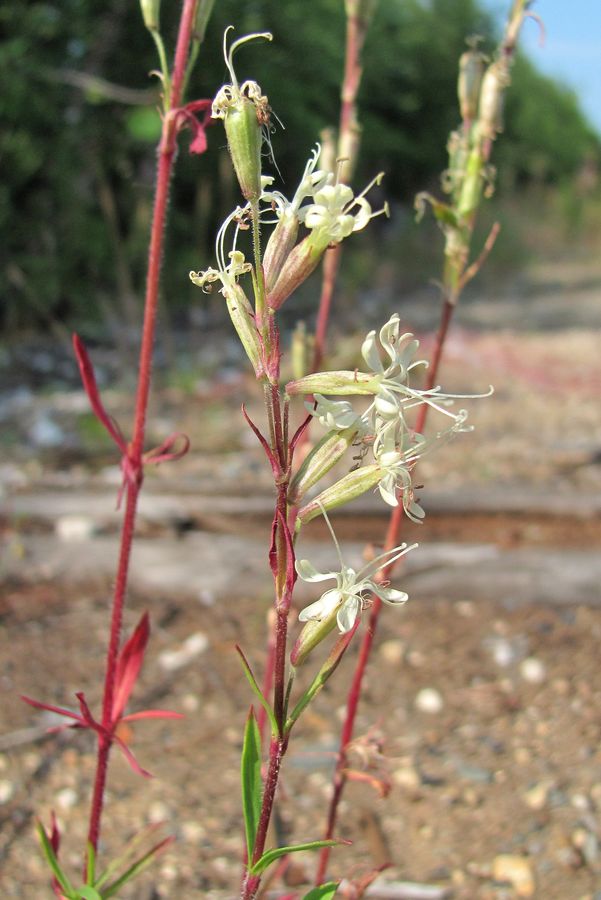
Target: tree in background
(79, 127)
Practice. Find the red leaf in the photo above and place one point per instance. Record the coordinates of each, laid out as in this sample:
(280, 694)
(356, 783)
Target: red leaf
(129, 665)
(91, 388)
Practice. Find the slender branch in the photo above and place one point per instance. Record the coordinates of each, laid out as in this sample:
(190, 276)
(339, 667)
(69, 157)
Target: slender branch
(456, 274)
(167, 149)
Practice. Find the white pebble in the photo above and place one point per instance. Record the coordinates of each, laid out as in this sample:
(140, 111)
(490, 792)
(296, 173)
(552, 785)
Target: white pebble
(74, 528)
(7, 789)
(158, 812)
(193, 646)
(429, 700)
(533, 670)
(191, 702)
(392, 652)
(66, 798)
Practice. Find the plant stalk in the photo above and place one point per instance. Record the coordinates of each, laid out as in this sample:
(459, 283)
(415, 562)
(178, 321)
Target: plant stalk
(167, 150)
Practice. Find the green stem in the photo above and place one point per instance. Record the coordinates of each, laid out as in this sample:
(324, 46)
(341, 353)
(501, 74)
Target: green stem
(164, 69)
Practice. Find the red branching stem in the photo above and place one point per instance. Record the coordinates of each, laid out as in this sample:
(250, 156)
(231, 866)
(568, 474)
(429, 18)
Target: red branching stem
(356, 30)
(167, 150)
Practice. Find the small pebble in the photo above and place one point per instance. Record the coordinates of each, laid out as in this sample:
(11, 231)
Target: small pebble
(408, 778)
(429, 700)
(158, 812)
(392, 652)
(193, 646)
(191, 702)
(517, 871)
(7, 789)
(193, 832)
(74, 528)
(67, 798)
(536, 797)
(533, 670)
(581, 802)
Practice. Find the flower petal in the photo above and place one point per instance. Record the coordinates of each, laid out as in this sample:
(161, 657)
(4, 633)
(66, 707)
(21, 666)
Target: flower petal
(389, 336)
(347, 614)
(387, 488)
(307, 571)
(369, 352)
(390, 595)
(322, 608)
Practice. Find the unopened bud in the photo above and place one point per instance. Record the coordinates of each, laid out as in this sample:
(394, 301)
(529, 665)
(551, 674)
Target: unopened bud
(299, 264)
(338, 383)
(323, 457)
(243, 320)
(348, 488)
(490, 113)
(471, 70)
(203, 14)
(245, 112)
(244, 139)
(150, 13)
(278, 249)
(313, 633)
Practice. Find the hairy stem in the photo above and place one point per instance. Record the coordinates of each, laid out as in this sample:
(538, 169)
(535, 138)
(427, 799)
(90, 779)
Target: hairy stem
(167, 149)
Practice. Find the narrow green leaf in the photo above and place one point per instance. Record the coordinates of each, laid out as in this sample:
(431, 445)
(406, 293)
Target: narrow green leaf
(250, 771)
(136, 868)
(258, 692)
(53, 861)
(323, 892)
(272, 855)
(89, 893)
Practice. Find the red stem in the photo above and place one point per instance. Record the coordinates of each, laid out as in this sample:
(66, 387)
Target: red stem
(167, 150)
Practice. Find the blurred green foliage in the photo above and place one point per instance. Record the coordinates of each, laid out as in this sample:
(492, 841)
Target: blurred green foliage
(80, 125)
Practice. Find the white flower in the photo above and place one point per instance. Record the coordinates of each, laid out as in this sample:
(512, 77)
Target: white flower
(331, 218)
(335, 415)
(394, 395)
(313, 180)
(227, 273)
(397, 455)
(349, 598)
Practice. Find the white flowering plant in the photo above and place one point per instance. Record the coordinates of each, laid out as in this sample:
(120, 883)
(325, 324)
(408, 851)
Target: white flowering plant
(322, 213)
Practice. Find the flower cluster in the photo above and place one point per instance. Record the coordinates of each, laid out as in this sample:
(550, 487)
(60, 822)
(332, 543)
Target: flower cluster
(383, 426)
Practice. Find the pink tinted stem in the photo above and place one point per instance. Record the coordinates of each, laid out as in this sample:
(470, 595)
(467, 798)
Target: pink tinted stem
(167, 149)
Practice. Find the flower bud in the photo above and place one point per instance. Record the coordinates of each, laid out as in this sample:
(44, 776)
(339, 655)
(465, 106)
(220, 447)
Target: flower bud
(245, 112)
(243, 320)
(298, 265)
(244, 140)
(338, 383)
(471, 70)
(278, 249)
(330, 449)
(490, 113)
(203, 14)
(313, 633)
(150, 13)
(348, 488)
